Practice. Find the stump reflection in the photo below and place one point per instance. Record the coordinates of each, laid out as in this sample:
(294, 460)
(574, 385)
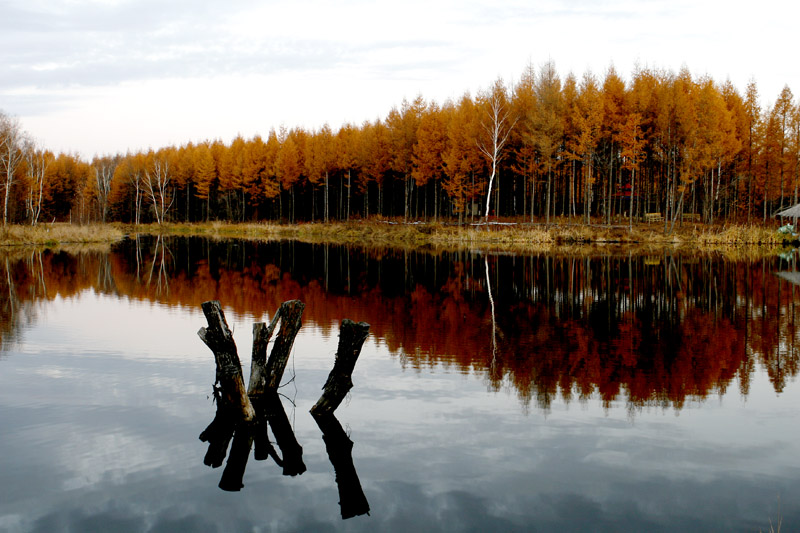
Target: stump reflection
(248, 435)
(352, 500)
(246, 418)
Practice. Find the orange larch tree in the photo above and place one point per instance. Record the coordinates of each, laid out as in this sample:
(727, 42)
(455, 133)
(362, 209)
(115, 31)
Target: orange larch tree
(548, 126)
(784, 107)
(375, 160)
(348, 140)
(753, 140)
(615, 110)
(525, 165)
(320, 161)
(402, 125)
(290, 163)
(589, 110)
(231, 179)
(428, 153)
(631, 154)
(465, 166)
(205, 175)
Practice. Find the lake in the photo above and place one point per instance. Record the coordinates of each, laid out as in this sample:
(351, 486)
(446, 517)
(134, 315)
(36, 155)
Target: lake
(595, 390)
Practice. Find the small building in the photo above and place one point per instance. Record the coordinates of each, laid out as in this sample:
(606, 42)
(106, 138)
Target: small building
(791, 212)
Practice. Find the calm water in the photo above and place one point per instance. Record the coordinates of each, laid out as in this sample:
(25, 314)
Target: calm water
(495, 392)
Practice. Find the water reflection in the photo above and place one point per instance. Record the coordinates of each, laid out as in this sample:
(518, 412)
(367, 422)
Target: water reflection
(245, 415)
(339, 447)
(245, 437)
(657, 330)
(255, 437)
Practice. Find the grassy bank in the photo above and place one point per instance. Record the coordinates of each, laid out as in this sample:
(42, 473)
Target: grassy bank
(518, 237)
(59, 234)
(512, 237)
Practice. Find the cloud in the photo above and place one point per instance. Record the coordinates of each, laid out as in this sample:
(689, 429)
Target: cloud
(100, 45)
(68, 59)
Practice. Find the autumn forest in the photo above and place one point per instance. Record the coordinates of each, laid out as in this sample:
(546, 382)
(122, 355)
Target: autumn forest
(586, 149)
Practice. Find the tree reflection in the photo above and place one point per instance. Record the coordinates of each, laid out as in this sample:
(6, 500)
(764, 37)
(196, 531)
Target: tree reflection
(339, 447)
(159, 266)
(493, 366)
(8, 307)
(245, 416)
(28, 276)
(647, 330)
(226, 427)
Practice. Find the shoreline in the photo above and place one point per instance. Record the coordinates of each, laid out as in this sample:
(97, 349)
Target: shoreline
(504, 236)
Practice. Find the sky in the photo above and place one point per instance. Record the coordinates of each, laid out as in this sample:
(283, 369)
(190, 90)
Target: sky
(97, 77)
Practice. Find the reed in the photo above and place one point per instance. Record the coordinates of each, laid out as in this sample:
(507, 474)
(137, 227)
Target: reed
(512, 237)
(59, 233)
(734, 235)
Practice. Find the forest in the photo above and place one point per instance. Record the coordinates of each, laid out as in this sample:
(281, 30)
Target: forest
(661, 145)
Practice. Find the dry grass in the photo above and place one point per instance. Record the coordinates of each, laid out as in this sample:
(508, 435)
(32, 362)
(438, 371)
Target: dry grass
(736, 235)
(728, 240)
(58, 234)
(775, 528)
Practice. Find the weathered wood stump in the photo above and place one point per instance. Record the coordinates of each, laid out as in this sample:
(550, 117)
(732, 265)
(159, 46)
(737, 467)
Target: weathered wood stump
(291, 313)
(351, 339)
(219, 338)
(240, 418)
(243, 416)
(258, 361)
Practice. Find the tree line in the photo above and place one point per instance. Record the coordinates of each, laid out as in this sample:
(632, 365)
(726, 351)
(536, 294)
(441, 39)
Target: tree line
(662, 144)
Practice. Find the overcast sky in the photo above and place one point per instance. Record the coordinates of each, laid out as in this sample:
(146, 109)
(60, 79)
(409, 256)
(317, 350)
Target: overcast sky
(107, 76)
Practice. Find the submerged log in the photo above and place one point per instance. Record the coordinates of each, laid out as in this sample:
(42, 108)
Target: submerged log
(352, 500)
(219, 339)
(351, 339)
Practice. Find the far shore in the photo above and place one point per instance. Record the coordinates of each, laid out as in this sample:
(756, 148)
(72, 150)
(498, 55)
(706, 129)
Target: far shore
(510, 236)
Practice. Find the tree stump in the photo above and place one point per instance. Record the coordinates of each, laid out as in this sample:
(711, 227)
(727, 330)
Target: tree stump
(258, 362)
(218, 337)
(246, 422)
(291, 313)
(351, 339)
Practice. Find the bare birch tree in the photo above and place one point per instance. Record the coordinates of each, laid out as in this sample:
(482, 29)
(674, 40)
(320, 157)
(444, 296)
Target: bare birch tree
(134, 170)
(157, 185)
(104, 169)
(11, 154)
(37, 161)
(497, 124)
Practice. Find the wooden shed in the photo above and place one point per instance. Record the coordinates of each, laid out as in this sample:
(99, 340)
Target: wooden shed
(791, 212)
